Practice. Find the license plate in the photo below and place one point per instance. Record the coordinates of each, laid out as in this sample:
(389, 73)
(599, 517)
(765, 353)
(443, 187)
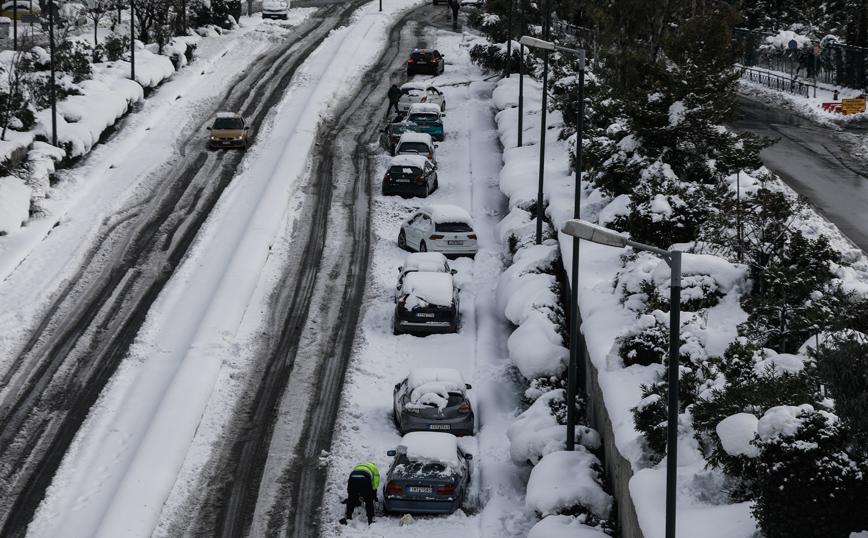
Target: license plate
(454, 242)
(424, 314)
(439, 426)
(419, 489)
(402, 181)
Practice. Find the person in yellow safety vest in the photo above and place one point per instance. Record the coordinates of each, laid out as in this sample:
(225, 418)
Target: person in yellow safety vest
(362, 488)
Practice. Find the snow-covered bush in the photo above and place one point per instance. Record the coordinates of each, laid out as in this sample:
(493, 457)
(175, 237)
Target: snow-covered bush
(579, 491)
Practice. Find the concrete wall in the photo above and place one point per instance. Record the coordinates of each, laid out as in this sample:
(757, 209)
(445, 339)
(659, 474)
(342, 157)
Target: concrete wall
(618, 470)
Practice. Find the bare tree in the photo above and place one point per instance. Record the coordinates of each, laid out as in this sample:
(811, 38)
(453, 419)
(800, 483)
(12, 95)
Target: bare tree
(11, 97)
(95, 11)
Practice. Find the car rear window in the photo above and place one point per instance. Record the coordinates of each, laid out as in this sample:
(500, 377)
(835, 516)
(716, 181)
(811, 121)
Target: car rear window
(404, 171)
(422, 56)
(418, 147)
(453, 227)
(423, 117)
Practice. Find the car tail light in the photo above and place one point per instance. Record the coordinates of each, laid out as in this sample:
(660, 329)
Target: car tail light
(472, 236)
(448, 489)
(436, 236)
(392, 487)
(430, 155)
(419, 178)
(424, 99)
(387, 176)
(464, 408)
(433, 61)
(410, 61)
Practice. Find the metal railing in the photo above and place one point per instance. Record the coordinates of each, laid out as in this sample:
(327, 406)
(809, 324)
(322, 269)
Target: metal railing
(776, 82)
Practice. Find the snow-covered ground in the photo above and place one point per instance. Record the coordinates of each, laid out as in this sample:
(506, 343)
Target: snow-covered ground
(122, 476)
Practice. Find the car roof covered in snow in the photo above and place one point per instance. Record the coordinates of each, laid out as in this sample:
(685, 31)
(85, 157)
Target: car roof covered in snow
(431, 262)
(424, 108)
(228, 115)
(415, 85)
(427, 288)
(431, 447)
(441, 213)
(417, 161)
(410, 136)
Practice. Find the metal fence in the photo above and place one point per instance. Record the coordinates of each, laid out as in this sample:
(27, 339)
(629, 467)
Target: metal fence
(777, 82)
(837, 65)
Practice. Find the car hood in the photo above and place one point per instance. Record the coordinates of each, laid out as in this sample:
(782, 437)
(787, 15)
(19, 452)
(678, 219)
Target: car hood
(227, 133)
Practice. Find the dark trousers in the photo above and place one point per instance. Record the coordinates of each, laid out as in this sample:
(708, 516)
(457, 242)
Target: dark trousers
(360, 491)
(393, 104)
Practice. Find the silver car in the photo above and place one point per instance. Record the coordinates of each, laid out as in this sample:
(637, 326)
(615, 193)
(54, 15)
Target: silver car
(429, 475)
(433, 399)
(411, 143)
(427, 303)
(439, 228)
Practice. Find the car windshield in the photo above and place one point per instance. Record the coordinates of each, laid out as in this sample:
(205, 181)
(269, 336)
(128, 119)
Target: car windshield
(453, 227)
(399, 129)
(423, 117)
(414, 147)
(413, 92)
(227, 123)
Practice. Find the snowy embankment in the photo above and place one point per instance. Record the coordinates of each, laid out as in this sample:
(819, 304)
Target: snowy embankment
(607, 287)
(128, 455)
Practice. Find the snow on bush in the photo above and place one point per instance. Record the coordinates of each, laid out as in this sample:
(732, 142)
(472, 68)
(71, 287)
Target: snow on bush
(736, 432)
(527, 283)
(784, 421)
(568, 482)
(14, 204)
(567, 527)
(537, 433)
(537, 348)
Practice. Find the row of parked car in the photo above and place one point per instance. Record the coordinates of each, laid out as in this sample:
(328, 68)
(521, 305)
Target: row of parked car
(430, 473)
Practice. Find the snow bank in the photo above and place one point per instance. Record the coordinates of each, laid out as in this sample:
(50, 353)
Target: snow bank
(564, 527)
(523, 286)
(536, 432)
(14, 204)
(562, 480)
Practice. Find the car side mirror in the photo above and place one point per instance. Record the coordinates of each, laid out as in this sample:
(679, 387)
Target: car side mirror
(246, 127)
(391, 453)
(397, 386)
(436, 146)
(468, 456)
(400, 268)
(211, 128)
(454, 271)
(467, 386)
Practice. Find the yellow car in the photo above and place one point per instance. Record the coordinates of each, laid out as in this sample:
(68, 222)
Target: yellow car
(229, 131)
(26, 10)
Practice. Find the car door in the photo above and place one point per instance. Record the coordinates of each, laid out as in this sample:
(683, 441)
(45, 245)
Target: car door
(435, 96)
(424, 228)
(413, 233)
(430, 175)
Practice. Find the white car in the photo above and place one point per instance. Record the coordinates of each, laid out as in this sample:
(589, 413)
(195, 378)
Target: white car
(275, 9)
(439, 228)
(417, 144)
(420, 92)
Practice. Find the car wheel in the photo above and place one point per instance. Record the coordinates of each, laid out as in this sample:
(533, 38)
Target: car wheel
(443, 106)
(423, 247)
(402, 241)
(436, 183)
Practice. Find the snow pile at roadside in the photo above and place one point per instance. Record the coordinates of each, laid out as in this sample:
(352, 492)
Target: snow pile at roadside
(561, 482)
(14, 204)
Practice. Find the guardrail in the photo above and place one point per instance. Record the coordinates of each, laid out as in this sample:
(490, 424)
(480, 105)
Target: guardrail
(776, 82)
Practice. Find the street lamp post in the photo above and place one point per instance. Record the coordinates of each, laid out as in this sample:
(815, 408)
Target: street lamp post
(603, 236)
(575, 341)
(509, 42)
(521, 79)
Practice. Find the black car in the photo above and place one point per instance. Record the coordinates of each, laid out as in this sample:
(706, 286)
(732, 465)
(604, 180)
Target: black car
(410, 175)
(393, 131)
(425, 61)
(427, 303)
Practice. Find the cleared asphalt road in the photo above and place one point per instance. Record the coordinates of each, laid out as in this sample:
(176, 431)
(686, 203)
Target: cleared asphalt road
(811, 160)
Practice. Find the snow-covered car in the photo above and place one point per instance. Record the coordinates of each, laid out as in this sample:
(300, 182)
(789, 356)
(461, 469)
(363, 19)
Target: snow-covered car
(417, 144)
(433, 399)
(425, 61)
(392, 132)
(428, 117)
(275, 9)
(439, 228)
(228, 131)
(420, 92)
(423, 262)
(429, 475)
(427, 303)
(473, 3)
(410, 175)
